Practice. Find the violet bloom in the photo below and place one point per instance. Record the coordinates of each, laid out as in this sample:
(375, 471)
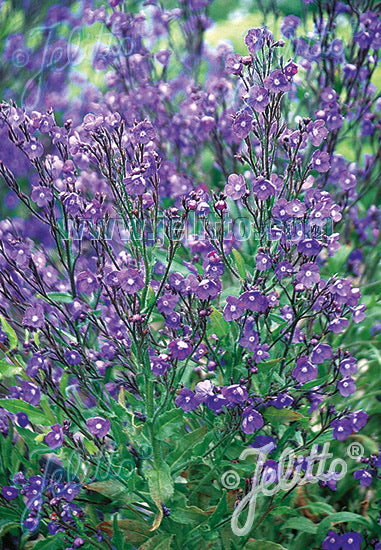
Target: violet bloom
(30, 392)
(317, 132)
(22, 419)
(282, 401)
(72, 357)
(208, 288)
(346, 386)
(254, 40)
(263, 262)
(15, 117)
(304, 371)
(135, 184)
(289, 24)
(358, 420)
(159, 365)
(321, 353)
(358, 313)
(233, 64)
(261, 353)
(33, 149)
(283, 269)
(163, 57)
(308, 275)
(55, 437)
(309, 247)
(277, 82)
(348, 366)
(35, 363)
(249, 338)
(265, 443)
(216, 402)
(331, 541)
(98, 426)
(233, 309)
(252, 420)
(204, 390)
(263, 189)
(131, 281)
(342, 428)
(236, 187)
(365, 478)
(34, 317)
(243, 124)
(167, 303)
(187, 400)
(295, 208)
(350, 541)
(180, 349)
(320, 161)
(42, 196)
(338, 325)
(257, 98)
(235, 394)
(9, 493)
(86, 282)
(254, 301)
(143, 132)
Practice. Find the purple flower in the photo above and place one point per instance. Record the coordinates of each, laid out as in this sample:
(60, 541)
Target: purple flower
(242, 124)
(309, 247)
(135, 184)
(350, 541)
(33, 149)
(304, 371)
(265, 443)
(254, 301)
(55, 437)
(143, 132)
(348, 366)
(72, 357)
(321, 353)
(358, 420)
(9, 493)
(308, 275)
(295, 208)
(35, 363)
(320, 161)
(283, 269)
(86, 282)
(365, 478)
(208, 288)
(342, 428)
(257, 98)
(338, 325)
(34, 317)
(22, 419)
(236, 187)
(331, 541)
(235, 394)
(263, 189)
(261, 353)
(252, 420)
(15, 117)
(254, 40)
(166, 303)
(288, 26)
(42, 196)
(263, 262)
(180, 349)
(163, 57)
(98, 426)
(249, 338)
(30, 392)
(358, 313)
(317, 132)
(159, 365)
(131, 281)
(277, 82)
(233, 64)
(346, 386)
(233, 309)
(187, 400)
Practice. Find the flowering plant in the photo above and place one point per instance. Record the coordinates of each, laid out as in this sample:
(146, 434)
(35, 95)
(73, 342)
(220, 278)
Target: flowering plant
(166, 316)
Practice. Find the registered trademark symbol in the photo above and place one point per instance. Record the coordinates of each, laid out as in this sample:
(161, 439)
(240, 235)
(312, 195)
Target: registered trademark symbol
(355, 450)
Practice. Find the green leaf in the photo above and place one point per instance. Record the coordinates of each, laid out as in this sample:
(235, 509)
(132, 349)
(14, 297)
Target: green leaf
(240, 264)
(12, 336)
(169, 424)
(220, 511)
(50, 543)
(263, 545)
(111, 488)
(184, 447)
(190, 515)
(158, 542)
(202, 447)
(7, 525)
(160, 483)
(301, 524)
(340, 517)
(117, 537)
(7, 370)
(134, 531)
(272, 414)
(217, 324)
(35, 415)
(60, 297)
